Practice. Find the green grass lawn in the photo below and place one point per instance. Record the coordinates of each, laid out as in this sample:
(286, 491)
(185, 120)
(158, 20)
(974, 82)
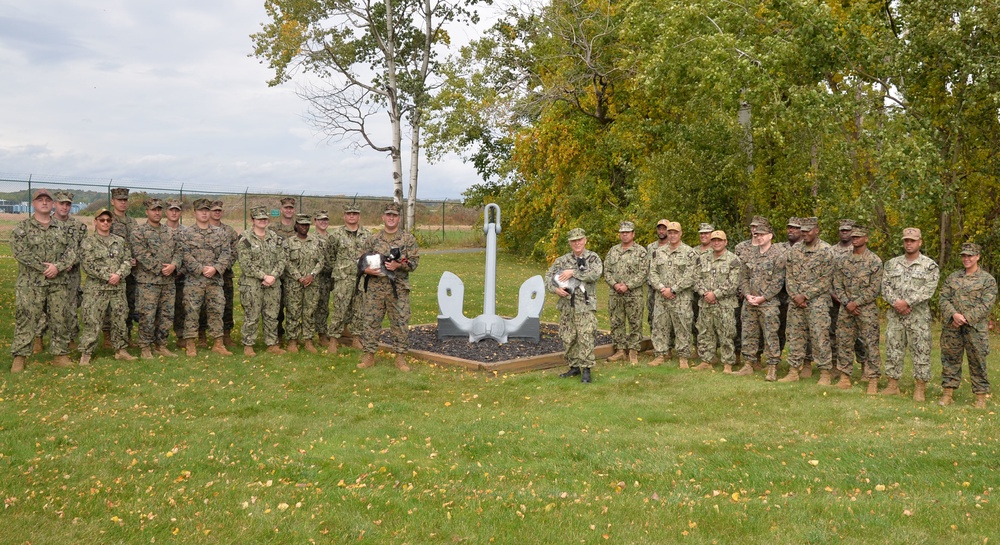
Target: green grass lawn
(308, 449)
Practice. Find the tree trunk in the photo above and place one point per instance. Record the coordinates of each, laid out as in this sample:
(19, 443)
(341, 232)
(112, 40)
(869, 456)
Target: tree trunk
(411, 201)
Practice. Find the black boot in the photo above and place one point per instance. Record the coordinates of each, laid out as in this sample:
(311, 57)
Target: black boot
(586, 376)
(573, 371)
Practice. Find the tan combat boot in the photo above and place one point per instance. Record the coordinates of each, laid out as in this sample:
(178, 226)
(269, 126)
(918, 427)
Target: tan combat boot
(401, 363)
(227, 339)
(331, 347)
(980, 401)
(891, 389)
(18, 364)
(792, 376)
(757, 365)
(181, 342)
(919, 389)
(190, 348)
(146, 353)
(618, 355)
(772, 373)
(683, 363)
(656, 361)
(872, 386)
(62, 361)
(807, 370)
(703, 366)
(744, 371)
(292, 347)
(123, 355)
(219, 347)
(356, 343)
(36, 345)
(368, 360)
(946, 397)
(275, 349)
(202, 339)
(727, 368)
(248, 351)
(825, 378)
(84, 360)
(161, 350)
(845, 382)
(324, 339)
(633, 357)
(308, 347)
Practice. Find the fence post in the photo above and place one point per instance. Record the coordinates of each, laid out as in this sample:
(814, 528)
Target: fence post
(443, 204)
(31, 202)
(110, 181)
(245, 191)
(181, 221)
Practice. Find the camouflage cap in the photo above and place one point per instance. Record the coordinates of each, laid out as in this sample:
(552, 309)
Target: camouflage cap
(322, 215)
(175, 204)
(63, 196)
(674, 226)
(663, 222)
(757, 220)
(719, 235)
(202, 204)
(794, 221)
(808, 224)
(846, 225)
(150, 204)
(706, 228)
(626, 227)
(303, 219)
(119, 193)
(352, 208)
(42, 192)
(216, 205)
(859, 231)
(576, 234)
(970, 248)
(103, 211)
(391, 208)
(764, 227)
(259, 213)
(911, 233)
(287, 201)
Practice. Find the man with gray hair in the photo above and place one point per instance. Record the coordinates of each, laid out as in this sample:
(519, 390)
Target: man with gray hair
(573, 277)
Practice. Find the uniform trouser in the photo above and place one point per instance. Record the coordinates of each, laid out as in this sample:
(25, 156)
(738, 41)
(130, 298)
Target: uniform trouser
(281, 312)
(96, 304)
(197, 294)
(975, 343)
(913, 330)
(850, 329)
(379, 302)
(324, 284)
(75, 295)
(155, 304)
(672, 325)
(716, 331)
(625, 315)
(695, 311)
(651, 294)
(300, 310)
(577, 330)
(179, 306)
(859, 347)
(348, 305)
(227, 313)
(809, 328)
(761, 323)
(260, 308)
(130, 285)
(30, 304)
(783, 308)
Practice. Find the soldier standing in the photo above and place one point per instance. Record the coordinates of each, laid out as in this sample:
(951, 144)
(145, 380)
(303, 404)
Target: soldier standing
(78, 230)
(157, 257)
(44, 250)
(106, 259)
(173, 213)
(908, 283)
(857, 278)
(573, 277)
(347, 243)
(306, 254)
(808, 281)
(324, 283)
(671, 274)
(123, 226)
(842, 248)
(704, 246)
(215, 218)
(742, 251)
(388, 288)
(716, 284)
(762, 279)
(625, 273)
(660, 242)
(262, 256)
(285, 228)
(966, 299)
(206, 251)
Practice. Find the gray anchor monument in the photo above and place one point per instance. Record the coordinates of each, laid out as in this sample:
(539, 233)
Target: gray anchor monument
(451, 293)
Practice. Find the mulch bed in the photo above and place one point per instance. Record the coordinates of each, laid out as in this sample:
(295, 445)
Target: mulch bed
(488, 351)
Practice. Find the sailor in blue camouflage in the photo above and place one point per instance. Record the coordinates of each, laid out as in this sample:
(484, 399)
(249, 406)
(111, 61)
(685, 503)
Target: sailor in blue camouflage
(625, 273)
(573, 277)
(107, 261)
(857, 279)
(967, 297)
(908, 283)
(157, 256)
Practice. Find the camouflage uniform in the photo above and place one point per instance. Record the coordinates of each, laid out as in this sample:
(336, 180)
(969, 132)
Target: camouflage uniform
(838, 252)
(123, 227)
(343, 252)
(914, 282)
(283, 231)
(227, 283)
(208, 247)
(101, 257)
(972, 296)
(77, 230)
(179, 276)
(741, 251)
(305, 258)
(717, 321)
(259, 257)
(763, 275)
(650, 292)
(324, 285)
(32, 244)
(578, 311)
(858, 278)
(379, 300)
(625, 309)
(809, 272)
(152, 248)
(672, 318)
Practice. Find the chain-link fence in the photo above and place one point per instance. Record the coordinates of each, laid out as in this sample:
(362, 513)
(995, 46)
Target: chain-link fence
(434, 220)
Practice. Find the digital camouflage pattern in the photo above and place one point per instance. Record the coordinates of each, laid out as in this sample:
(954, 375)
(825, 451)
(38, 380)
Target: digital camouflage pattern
(672, 268)
(123, 227)
(179, 283)
(858, 278)
(809, 272)
(578, 311)
(284, 231)
(227, 278)
(717, 321)
(153, 247)
(625, 309)
(972, 296)
(102, 257)
(650, 292)
(74, 289)
(914, 282)
(305, 258)
(259, 257)
(763, 275)
(379, 300)
(41, 301)
(324, 285)
(208, 247)
(343, 251)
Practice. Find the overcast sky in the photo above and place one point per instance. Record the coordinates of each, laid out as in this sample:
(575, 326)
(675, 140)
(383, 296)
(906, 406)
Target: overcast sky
(162, 92)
